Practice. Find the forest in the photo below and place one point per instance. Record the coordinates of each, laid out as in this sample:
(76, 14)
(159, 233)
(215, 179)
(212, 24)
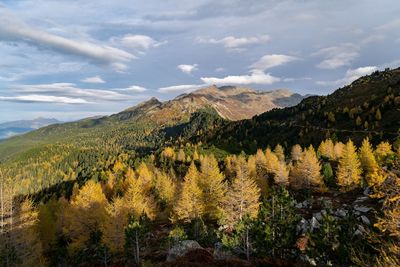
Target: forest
(335, 204)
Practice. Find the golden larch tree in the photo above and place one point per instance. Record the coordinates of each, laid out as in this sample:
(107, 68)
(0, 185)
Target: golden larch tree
(306, 173)
(212, 185)
(349, 169)
(243, 197)
(373, 175)
(327, 149)
(190, 204)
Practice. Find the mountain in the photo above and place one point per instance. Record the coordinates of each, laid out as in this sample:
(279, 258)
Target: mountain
(140, 128)
(12, 128)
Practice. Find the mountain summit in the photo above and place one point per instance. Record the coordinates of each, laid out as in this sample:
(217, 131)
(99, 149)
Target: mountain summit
(231, 103)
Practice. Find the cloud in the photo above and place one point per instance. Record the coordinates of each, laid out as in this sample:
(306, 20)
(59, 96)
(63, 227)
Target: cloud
(18, 31)
(43, 99)
(137, 42)
(256, 77)
(94, 79)
(270, 61)
(391, 25)
(232, 42)
(337, 56)
(71, 90)
(350, 76)
(184, 88)
(188, 69)
(133, 89)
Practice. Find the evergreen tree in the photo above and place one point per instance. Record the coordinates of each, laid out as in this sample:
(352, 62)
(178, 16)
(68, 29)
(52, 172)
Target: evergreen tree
(349, 171)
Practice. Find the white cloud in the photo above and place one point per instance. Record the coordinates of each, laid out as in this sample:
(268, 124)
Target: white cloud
(270, 61)
(43, 99)
(133, 89)
(71, 90)
(337, 56)
(256, 77)
(232, 42)
(391, 25)
(94, 79)
(219, 69)
(13, 30)
(137, 42)
(350, 76)
(188, 69)
(184, 88)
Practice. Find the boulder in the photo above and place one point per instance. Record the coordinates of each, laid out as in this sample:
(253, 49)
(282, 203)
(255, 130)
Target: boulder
(314, 224)
(181, 249)
(341, 213)
(303, 226)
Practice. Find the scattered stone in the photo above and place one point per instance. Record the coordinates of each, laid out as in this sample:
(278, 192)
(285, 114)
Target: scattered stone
(181, 249)
(365, 220)
(302, 226)
(318, 216)
(360, 199)
(367, 191)
(361, 208)
(341, 213)
(314, 224)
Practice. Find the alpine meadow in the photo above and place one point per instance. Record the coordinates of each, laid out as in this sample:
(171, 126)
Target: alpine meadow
(199, 133)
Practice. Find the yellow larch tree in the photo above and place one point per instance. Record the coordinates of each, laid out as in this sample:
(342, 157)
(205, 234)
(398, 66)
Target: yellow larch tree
(166, 189)
(212, 185)
(279, 152)
(349, 169)
(276, 168)
(372, 172)
(190, 204)
(25, 237)
(261, 171)
(243, 197)
(296, 153)
(85, 213)
(306, 173)
(339, 147)
(382, 150)
(327, 149)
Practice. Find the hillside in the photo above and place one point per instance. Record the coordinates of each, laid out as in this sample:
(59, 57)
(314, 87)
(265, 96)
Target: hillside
(370, 106)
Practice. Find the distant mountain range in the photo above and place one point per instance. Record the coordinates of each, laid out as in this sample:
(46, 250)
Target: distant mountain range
(12, 128)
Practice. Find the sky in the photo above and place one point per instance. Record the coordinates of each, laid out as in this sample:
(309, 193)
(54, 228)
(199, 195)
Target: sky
(71, 59)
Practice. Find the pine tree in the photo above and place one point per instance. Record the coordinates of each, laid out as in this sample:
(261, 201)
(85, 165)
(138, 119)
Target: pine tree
(212, 185)
(85, 213)
(369, 164)
(190, 204)
(307, 172)
(349, 171)
(243, 197)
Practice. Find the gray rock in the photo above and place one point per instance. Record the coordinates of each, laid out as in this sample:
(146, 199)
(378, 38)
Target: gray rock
(299, 205)
(303, 226)
(314, 224)
(181, 249)
(341, 213)
(360, 199)
(365, 220)
(318, 216)
(220, 253)
(361, 208)
(367, 191)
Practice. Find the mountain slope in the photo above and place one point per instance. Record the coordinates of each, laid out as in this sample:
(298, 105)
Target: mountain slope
(370, 106)
(138, 127)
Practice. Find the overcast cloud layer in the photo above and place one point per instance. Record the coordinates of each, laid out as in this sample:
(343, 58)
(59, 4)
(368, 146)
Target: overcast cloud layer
(74, 59)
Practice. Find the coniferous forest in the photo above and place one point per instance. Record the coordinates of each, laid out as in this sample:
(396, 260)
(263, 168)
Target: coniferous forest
(203, 191)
